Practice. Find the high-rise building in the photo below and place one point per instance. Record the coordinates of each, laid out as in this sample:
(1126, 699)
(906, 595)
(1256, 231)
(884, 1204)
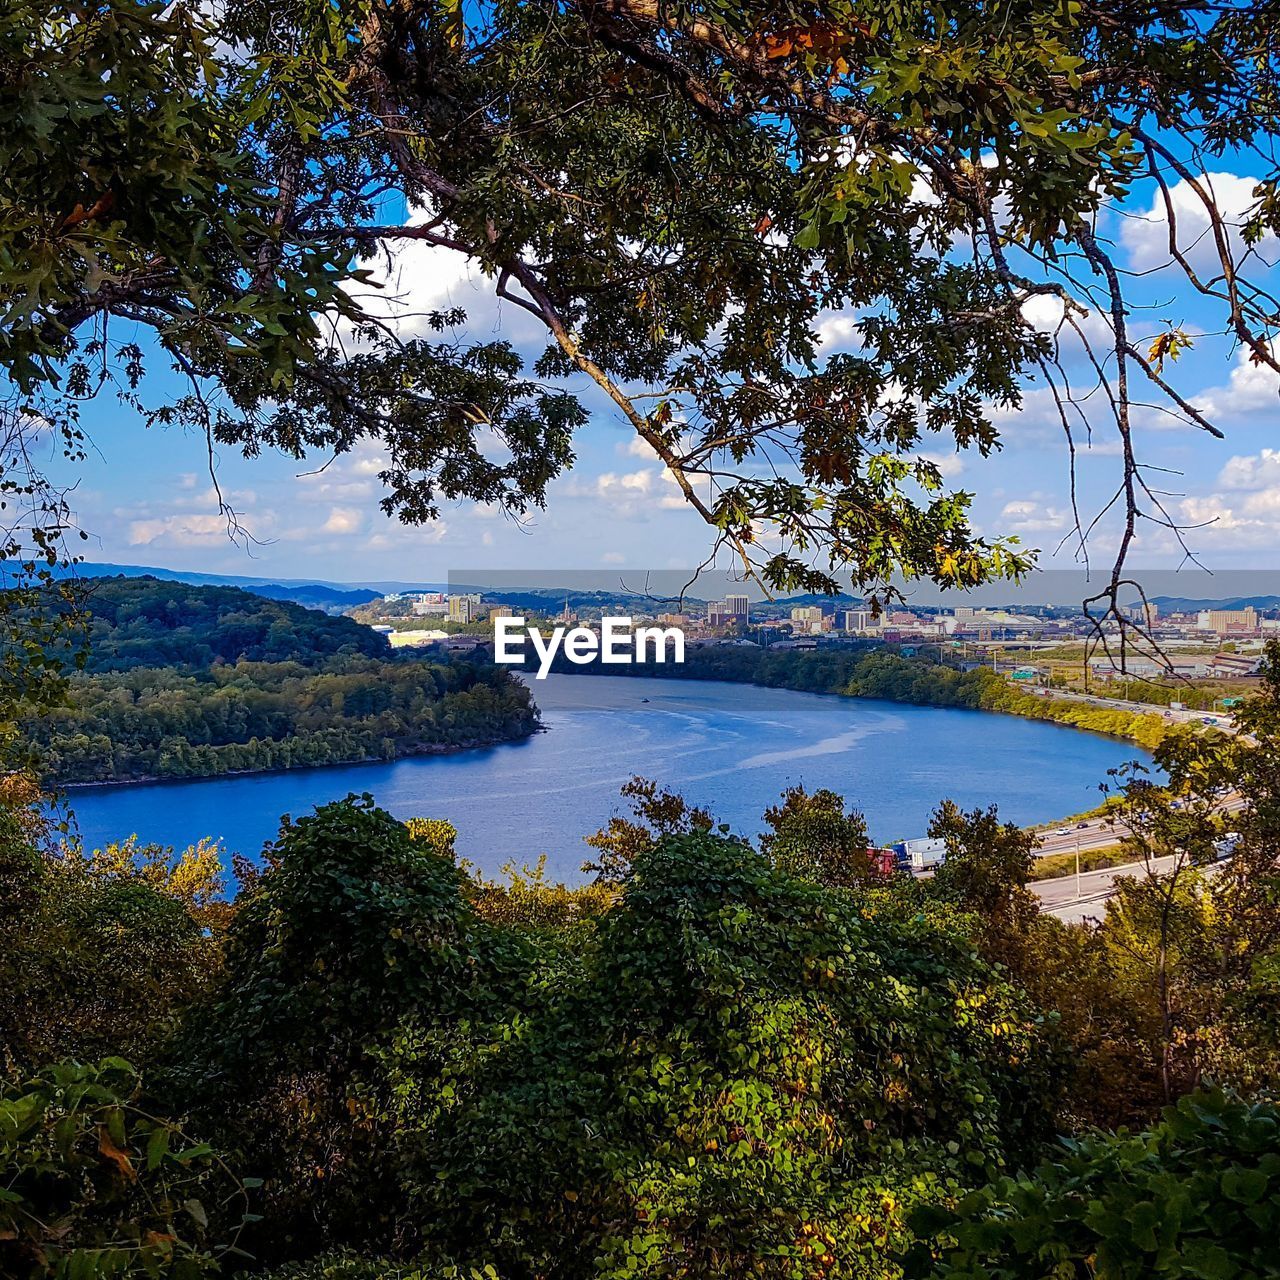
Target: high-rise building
(738, 606)
(464, 608)
(861, 620)
(807, 615)
(1226, 621)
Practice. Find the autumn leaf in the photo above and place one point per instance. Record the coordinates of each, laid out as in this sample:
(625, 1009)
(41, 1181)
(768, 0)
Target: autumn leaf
(103, 204)
(108, 1148)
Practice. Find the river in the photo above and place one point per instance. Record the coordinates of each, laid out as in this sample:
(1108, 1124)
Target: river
(729, 747)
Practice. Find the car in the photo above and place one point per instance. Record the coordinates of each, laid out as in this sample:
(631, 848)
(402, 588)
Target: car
(1063, 831)
(1082, 826)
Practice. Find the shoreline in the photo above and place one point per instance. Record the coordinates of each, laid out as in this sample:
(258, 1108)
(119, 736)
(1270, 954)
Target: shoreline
(430, 749)
(1033, 703)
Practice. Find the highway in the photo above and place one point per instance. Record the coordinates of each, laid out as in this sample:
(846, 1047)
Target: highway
(1065, 898)
(1218, 720)
(1071, 904)
(1093, 833)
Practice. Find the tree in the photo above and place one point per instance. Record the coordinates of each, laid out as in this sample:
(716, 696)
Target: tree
(676, 194)
(95, 1186)
(986, 869)
(813, 836)
(1194, 1197)
(98, 955)
(656, 814)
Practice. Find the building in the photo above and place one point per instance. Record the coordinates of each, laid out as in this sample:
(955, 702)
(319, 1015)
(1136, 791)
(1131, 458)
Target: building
(1225, 622)
(1235, 664)
(861, 620)
(463, 644)
(739, 607)
(501, 611)
(430, 603)
(807, 618)
(464, 608)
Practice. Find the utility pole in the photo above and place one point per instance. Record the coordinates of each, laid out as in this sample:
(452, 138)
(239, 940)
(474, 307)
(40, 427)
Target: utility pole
(1078, 893)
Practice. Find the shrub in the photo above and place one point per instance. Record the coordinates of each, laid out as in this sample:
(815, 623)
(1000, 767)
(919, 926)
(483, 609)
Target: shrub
(91, 1186)
(1197, 1197)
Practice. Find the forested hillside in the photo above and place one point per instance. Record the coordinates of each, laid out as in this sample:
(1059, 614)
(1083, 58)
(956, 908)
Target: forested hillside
(187, 681)
(150, 622)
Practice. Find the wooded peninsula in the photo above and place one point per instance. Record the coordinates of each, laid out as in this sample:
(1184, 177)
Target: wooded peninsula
(186, 681)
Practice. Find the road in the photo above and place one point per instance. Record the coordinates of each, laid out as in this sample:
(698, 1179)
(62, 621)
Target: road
(1119, 704)
(1093, 833)
(1071, 903)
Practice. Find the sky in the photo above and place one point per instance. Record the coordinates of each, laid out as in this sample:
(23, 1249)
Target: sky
(145, 496)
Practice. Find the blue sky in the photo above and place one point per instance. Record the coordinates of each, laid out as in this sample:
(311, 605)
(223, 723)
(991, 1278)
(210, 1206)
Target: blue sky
(145, 496)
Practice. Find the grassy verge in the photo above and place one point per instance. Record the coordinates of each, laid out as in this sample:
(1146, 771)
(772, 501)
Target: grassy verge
(1057, 865)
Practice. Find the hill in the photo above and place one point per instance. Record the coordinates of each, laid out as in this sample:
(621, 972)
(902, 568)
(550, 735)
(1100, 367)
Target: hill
(190, 681)
(1182, 604)
(330, 597)
(148, 622)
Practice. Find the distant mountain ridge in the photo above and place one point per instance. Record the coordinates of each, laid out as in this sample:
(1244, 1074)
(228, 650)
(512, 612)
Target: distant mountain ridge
(1179, 604)
(319, 593)
(326, 596)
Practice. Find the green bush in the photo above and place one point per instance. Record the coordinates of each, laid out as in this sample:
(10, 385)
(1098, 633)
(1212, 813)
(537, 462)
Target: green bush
(91, 1186)
(1197, 1198)
(732, 1065)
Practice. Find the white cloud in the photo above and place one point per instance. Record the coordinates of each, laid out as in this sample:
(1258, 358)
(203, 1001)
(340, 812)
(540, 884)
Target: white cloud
(612, 485)
(1145, 236)
(411, 278)
(187, 530)
(344, 520)
(1031, 516)
(613, 557)
(346, 490)
(838, 330)
(407, 538)
(1252, 386)
(1251, 471)
(639, 447)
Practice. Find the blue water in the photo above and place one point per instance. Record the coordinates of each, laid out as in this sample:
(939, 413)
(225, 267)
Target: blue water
(729, 747)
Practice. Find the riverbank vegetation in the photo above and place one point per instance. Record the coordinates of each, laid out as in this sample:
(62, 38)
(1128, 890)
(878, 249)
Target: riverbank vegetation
(880, 673)
(714, 1060)
(184, 682)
